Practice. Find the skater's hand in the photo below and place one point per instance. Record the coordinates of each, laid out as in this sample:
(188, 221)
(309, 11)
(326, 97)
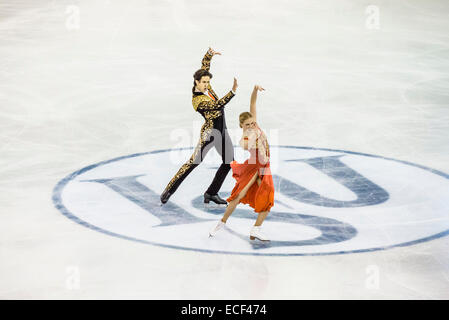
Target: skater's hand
(234, 87)
(213, 52)
(258, 88)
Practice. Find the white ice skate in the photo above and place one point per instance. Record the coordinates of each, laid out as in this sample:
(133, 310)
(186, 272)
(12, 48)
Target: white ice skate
(255, 233)
(213, 231)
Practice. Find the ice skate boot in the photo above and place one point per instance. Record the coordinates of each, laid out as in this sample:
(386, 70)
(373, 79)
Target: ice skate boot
(214, 230)
(256, 233)
(214, 201)
(165, 196)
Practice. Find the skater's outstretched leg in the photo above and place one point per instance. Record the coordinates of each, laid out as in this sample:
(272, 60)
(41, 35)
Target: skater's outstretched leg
(232, 205)
(202, 148)
(260, 218)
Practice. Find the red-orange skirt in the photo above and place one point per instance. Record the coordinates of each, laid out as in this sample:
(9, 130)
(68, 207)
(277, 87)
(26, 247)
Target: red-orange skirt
(260, 197)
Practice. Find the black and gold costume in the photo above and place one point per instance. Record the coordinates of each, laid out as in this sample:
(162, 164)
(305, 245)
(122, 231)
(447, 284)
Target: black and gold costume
(213, 134)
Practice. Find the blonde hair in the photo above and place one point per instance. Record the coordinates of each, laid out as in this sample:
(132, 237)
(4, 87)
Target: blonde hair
(243, 117)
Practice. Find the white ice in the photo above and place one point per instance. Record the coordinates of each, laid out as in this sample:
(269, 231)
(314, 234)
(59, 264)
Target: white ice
(86, 81)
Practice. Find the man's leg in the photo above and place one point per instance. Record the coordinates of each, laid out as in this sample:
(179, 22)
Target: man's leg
(197, 157)
(226, 150)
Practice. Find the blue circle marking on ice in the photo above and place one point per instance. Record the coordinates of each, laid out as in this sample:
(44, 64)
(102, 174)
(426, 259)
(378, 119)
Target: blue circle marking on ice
(326, 202)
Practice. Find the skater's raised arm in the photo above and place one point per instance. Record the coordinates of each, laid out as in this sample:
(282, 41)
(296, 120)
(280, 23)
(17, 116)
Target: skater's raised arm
(205, 63)
(252, 105)
(203, 103)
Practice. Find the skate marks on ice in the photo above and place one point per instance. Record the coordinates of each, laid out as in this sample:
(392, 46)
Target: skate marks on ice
(326, 202)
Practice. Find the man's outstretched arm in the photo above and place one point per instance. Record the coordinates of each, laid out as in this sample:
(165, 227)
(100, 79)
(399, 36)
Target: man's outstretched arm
(202, 102)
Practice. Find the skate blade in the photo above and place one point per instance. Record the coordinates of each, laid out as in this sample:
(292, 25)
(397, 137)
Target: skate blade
(254, 238)
(214, 205)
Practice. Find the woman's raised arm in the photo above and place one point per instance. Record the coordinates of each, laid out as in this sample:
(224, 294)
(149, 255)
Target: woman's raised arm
(252, 105)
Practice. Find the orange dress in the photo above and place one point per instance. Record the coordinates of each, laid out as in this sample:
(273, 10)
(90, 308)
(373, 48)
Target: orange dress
(260, 197)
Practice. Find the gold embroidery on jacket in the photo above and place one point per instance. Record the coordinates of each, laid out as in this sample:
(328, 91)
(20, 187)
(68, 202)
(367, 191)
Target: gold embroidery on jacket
(205, 63)
(206, 103)
(199, 99)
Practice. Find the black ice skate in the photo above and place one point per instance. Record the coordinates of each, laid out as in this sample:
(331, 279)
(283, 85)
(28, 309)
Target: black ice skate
(214, 198)
(165, 196)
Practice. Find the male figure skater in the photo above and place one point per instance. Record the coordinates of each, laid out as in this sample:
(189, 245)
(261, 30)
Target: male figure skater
(213, 133)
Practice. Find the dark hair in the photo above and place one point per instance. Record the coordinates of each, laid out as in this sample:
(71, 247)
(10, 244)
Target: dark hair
(198, 75)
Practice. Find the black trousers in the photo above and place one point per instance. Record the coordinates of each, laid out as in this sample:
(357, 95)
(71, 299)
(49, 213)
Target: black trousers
(221, 141)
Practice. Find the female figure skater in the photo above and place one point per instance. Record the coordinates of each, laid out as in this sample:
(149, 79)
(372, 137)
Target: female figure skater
(254, 183)
(213, 133)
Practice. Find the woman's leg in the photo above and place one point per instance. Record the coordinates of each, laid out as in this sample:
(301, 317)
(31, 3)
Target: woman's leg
(260, 218)
(233, 204)
(255, 232)
(262, 215)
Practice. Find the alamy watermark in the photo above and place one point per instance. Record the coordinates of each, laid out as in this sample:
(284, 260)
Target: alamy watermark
(72, 21)
(372, 21)
(73, 278)
(372, 282)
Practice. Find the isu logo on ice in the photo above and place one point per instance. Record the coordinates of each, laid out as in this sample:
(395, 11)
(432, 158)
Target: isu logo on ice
(326, 202)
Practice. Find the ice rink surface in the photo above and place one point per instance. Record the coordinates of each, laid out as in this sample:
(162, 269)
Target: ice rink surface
(85, 82)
